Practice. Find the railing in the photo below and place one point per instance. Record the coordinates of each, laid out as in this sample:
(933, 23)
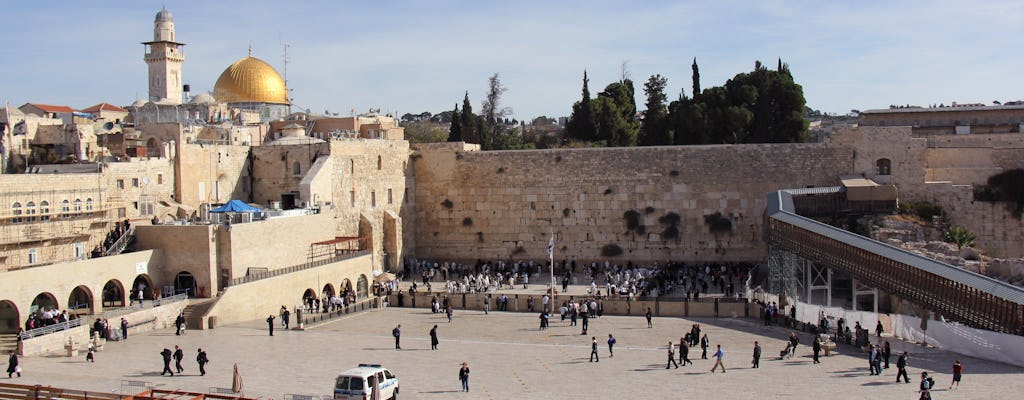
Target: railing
(295, 268)
(46, 330)
(362, 305)
(121, 242)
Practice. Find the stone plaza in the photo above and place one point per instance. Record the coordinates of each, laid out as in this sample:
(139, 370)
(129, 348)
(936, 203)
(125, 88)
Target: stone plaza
(510, 358)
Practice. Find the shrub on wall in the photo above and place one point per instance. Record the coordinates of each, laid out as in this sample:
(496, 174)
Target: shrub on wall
(467, 221)
(960, 236)
(1007, 186)
(632, 218)
(447, 204)
(611, 250)
(718, 223)
(921, 209)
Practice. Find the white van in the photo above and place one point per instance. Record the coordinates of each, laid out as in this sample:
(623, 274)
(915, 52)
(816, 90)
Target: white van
(357, 383)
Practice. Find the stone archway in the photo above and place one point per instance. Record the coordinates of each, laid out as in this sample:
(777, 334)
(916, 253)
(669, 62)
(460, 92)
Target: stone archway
(309, 294)
(153, 148)
(328, 291)
(80, 301)
(9, 317)
(113, 294)
(43, 301)
(184, 282)
(346, 285)
(144, 284)
(362, 287)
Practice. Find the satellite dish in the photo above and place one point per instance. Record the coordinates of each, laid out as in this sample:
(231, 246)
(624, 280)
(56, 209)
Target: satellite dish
(145, 180)
(108, 126)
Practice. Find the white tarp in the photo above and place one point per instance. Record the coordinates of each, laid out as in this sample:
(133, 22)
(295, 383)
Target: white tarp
(812, 313)
(979, 343)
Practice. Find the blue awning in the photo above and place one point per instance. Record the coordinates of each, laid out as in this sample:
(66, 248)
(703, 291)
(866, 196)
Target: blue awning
(235, 206)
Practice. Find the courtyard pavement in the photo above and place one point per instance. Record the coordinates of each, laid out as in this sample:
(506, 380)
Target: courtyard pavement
(510, 358)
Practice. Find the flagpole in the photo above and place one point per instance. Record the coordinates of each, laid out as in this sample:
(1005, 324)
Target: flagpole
(551, 265)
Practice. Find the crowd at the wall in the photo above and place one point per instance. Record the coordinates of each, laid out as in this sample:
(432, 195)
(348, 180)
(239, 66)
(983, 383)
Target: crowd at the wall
(605, 279)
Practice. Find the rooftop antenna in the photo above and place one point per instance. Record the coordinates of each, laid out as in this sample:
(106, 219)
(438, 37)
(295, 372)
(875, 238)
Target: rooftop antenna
(250, 48)
(286, 60)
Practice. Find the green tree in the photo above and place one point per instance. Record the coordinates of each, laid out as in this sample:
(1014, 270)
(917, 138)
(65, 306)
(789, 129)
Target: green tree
(696, 79)
(470, 133)
(582, 124)
(424, 132)
(622, 96)
(455, 131)
(654, 127)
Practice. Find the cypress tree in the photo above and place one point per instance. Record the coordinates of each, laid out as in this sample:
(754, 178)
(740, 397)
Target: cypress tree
(470, 133)
(582, 123)
(455, 132)
(696, 79)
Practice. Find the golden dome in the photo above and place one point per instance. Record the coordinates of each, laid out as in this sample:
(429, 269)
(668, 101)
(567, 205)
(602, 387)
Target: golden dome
(250, 80)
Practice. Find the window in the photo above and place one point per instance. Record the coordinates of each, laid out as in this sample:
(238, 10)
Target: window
(121, 213)
(135, 182)
(296, 168)
(16, 212)
(79, 250)
(30, 211)
(33, 256)
(44, 210)
(159, 179)
(351, 166)
(65, 208)
(373, 199)
(120, 183)
(352, 198)
(379, 162)
(389, 196)
(88, 204)
(883, 166)
(78, 206)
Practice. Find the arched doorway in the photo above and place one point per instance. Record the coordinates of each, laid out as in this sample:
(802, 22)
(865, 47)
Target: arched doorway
(346, 286)
(328, 291)
(184, 282)
(9, 317)
(142, 284)
(113, 294)
(362, 287)
(80, 301)
(43, 301)
(152, 148)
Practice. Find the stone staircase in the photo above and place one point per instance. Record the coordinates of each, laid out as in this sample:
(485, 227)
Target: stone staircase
(8, 342)
(195, 310)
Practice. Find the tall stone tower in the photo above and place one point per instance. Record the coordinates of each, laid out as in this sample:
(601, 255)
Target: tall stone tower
(164, 57)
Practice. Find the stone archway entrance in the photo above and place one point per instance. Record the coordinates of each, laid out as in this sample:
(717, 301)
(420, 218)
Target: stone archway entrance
(113, 294)
(142, 284)
(44, 301)
(184, 282)
(9, 317)
(80, 301)
(328, 291)
(362, 287)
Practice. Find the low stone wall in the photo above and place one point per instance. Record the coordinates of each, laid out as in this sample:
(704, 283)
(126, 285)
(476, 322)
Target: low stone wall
(518, 303)
(143, 320)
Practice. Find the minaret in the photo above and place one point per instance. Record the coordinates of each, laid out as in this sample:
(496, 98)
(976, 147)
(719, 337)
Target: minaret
(164, 57)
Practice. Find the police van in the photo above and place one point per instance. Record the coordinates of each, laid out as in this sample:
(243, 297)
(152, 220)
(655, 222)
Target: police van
(358, 383)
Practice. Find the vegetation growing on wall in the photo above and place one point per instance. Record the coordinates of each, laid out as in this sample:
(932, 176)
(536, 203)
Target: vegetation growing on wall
(671, 220)
(960, 236)
(632, 218)
(1007, 186)
(611, 250)
(718, 223)
(467, 221)
(447, 204)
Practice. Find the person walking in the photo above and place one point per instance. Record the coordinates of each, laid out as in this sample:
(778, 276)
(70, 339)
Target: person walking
(872, 358)
(178, 356)
(757, 355)
(90, 355)
(286, 318)
(901, 368)
(886, 353)
(270, 324)
(397, 333)
(12, 365)
(927, 383)
(179, 324)
(719, 355)
(704, 343)
(448, 312)
(648, 316)
(487, 304)
(958, 371)
(793, 342)
(586, 323)
(124, 329)
(201, 360)
(593, 349)
(433, 338)
(671, 356)
(878, 329)
(166, 354)
(816, 348)
(611, 345)
(464, 376)
(684, 354)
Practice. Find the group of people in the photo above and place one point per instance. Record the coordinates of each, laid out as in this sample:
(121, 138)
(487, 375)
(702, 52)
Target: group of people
(178, 355)
(47, 316)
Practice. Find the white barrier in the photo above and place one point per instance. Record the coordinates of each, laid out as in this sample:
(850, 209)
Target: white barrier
(978, 343)
(812, 313)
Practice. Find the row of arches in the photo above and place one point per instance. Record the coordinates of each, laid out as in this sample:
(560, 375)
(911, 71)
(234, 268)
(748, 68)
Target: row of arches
(28, 212)
(362, 289)
(80, 302)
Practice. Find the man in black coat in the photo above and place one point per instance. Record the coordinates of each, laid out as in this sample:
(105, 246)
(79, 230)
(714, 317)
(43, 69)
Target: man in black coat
(901, 365)
(178, 356)
(167, 361)
(757, 355)
(270, 324)
(202, 360)
(397, 333)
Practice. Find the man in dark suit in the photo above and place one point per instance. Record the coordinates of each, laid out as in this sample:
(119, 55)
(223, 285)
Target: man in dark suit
(178, 356)
(270, 324)
(757, 355)
(202, 360)
(397, 333)
(166, 354)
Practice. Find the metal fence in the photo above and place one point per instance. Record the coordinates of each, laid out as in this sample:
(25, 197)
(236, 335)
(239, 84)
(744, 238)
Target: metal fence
(121, 242)
(362, 305)
(119, 312)
(295, 268)
(46, 330)
(134, 387)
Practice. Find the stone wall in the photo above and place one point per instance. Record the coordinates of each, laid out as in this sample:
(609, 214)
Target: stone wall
(212, 173)
(505, 204)
(972, 159)
(999, 234)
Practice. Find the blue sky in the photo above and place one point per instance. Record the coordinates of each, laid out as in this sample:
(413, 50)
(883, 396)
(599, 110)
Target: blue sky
(414, 56)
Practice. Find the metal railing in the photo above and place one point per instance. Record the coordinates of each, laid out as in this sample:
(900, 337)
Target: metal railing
(121, 243)
(295, 268)
(46, 330)
(362, 305)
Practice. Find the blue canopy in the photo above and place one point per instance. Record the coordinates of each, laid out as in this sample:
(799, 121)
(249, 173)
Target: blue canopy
(235, 206)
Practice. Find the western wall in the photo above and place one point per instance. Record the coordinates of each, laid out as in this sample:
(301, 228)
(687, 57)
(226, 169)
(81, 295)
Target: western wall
(695, 203)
